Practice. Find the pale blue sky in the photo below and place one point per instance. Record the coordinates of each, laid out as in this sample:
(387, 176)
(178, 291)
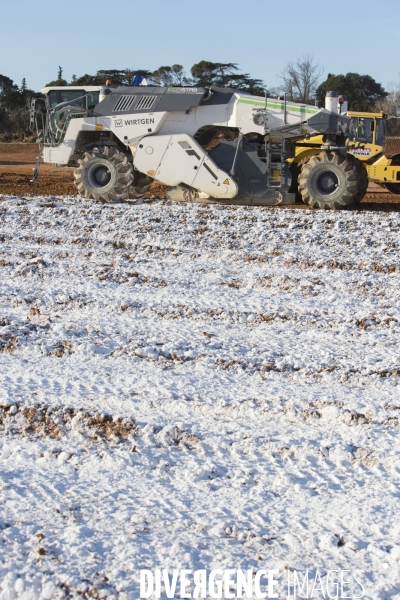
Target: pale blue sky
(260, 35)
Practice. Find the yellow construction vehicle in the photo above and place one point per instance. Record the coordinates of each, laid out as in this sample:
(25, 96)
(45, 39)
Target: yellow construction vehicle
(364, 139)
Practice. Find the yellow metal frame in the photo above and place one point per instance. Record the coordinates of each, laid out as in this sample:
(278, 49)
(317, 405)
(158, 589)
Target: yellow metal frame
(383, 174)
(365, 115)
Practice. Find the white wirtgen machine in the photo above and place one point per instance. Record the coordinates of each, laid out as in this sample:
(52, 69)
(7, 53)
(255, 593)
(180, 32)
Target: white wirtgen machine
(212, 144)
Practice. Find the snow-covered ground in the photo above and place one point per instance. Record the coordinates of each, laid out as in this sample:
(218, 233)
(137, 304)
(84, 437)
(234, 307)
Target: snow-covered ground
(199, 387)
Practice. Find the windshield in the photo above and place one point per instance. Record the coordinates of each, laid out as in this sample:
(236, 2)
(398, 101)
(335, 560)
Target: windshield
(361, 129)
(74, 97)
(53, 98)
(92, 99)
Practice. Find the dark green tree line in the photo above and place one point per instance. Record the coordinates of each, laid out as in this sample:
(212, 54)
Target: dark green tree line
(204, 73)
(14, 101)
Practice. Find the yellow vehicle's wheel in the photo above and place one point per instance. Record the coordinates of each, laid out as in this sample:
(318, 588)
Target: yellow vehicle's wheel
(329, 180)
(362, 182)
(393, 188)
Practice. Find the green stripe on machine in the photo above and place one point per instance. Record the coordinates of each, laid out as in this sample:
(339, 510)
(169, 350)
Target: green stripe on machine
(301, 108)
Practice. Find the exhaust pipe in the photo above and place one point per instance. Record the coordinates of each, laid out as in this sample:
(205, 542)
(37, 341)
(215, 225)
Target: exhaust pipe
(331, 101)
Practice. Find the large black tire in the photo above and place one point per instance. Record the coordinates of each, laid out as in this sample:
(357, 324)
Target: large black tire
(329, 180)
(393, 188)
(362, 181)
(104, 174)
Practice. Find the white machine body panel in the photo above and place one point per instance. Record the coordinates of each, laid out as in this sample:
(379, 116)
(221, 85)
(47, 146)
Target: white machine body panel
(128, 130)
(61, 153)
(253, 114)
(197, 118)
(131, 128)
(249, 114)
(175, 159)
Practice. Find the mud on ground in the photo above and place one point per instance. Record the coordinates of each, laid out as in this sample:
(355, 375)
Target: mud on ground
(17, 161)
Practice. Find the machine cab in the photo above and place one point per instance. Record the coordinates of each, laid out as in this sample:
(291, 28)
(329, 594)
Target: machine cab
(51, 114)
(366, 134)
(86, 97)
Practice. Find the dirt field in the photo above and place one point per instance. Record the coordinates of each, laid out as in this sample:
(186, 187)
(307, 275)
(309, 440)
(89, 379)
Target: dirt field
(17, 161)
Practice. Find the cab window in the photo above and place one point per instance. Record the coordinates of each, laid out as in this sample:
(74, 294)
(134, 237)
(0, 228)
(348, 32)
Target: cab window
(92, 99)
(74, 96)
(380, 132)
(361, 129)
(53, 98)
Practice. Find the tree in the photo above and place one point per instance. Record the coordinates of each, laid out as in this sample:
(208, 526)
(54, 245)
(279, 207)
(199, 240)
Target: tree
(59, 81)
(300, 79)
(362, 91)
(11, 97)
(391, 106)
(116, 76)
(85, 80)
(206, 74)
(6, 84)
(14, 102)
(170, 76)
(245, 83)
(56, 82)
(274, 92)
